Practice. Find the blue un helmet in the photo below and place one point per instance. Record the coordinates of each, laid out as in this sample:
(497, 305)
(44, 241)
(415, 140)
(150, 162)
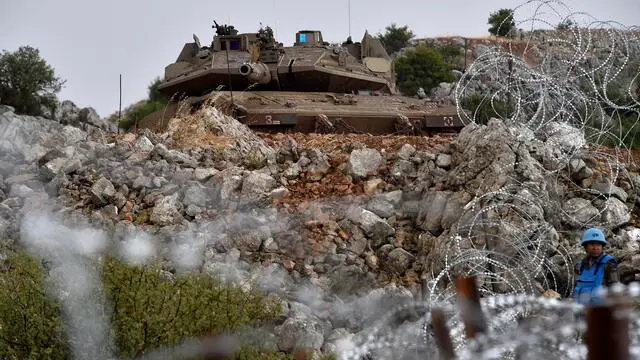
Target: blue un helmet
(593, 235)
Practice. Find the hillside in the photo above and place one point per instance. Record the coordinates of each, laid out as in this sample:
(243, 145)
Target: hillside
(341, 223)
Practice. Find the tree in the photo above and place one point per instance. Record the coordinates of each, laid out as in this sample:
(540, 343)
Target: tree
(154, 94)
(566, 24)
(27, 82)
(501, 22)
(395, 38)
(422, 67)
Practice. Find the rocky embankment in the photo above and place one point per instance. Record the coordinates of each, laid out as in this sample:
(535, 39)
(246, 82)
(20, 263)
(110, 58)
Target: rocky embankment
(334, 226)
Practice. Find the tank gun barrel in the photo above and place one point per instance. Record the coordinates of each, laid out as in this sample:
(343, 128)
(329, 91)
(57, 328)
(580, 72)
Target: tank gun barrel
(257, 73)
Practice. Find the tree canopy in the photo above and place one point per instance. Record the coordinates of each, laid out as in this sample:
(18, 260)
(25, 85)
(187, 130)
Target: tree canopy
(154, 94)
(501, 22)
(566, 24)
(395, 38)
(423, 67)
(27, 82)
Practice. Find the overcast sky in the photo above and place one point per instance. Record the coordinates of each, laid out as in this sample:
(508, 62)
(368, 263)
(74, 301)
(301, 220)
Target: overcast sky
(89, 43)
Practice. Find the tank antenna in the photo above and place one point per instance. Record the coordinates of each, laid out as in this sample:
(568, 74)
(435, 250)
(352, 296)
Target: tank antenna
(349, 15)
(275, 23)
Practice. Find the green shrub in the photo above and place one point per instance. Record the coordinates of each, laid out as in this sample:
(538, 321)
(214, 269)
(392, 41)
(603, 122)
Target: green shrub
(422, 67)
(482, 109)
(30, 322)
(249, 353)
(151, 311)
(450, 54)
(138, 113)
(154, 93)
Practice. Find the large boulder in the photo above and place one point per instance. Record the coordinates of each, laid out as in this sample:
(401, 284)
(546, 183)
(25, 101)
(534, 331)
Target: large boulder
(363, 162)
(483, 159)
(300, 333)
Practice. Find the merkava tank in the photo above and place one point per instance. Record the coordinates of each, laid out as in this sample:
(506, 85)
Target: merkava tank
(312, 86)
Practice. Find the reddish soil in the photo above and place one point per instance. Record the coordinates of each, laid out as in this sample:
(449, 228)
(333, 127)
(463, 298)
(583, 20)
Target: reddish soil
(335, 184)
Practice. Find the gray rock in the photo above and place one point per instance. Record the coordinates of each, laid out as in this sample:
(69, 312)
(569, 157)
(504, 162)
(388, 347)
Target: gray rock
(631, 239)
(300, 332)
(197, 195)
(615, 213)
(453, 209)
(399, 260)
(246, 240)
(357, 245)
(318, 164)
(564, 136)
(288, 151)
(51, 155)
(256, 186)
(225, 185)
(20, 191)
(5, 109)
(166, 211)
(576, 167)
(193, 210)
(432, 208)
(53, 187)
(338, 339)
(67, 113)
(406, 152)
(608, 189)
(402, 169)
(119, 200)
(142, 182)
(442, 92)
(580, 211)
(89, 116)
(102, 192)
(292, 171)
(270, 245)
(279, 193)
(374, 226)
(110, 211)
(61, 165)
(483, 158)
(364, 309)
(363, 162)
(142, 143)
(24, 178)
(204, 174)
(480, 49)
(381, 207)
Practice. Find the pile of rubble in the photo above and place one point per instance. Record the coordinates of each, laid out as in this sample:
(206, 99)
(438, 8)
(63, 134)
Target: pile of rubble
(353, 216)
